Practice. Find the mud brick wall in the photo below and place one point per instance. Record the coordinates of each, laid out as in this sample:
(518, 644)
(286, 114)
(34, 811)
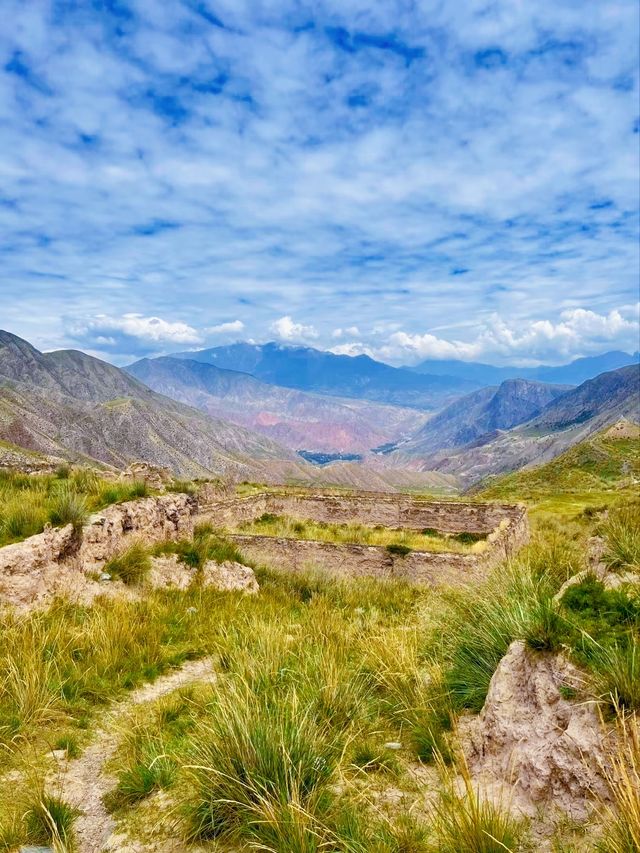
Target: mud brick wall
(353, 561)
(389, 511)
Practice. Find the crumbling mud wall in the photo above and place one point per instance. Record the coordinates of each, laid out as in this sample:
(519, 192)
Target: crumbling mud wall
(393, 511)
(506, 527)
(352, 560)
(59, 560)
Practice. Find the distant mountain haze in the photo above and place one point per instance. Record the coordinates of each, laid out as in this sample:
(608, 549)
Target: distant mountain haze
(483, 411)
(358, 377)
(574, 373)
(569, 418)
(69, 405)
(297, 419)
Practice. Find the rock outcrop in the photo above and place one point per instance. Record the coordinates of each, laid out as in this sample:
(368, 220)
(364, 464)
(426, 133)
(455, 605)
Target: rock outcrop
(551, 750)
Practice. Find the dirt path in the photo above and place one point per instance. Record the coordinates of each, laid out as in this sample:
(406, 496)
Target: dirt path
(83, 782)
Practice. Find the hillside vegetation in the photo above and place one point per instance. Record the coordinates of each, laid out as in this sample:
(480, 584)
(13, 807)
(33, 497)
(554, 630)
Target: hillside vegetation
(331, 723)
(598, 471)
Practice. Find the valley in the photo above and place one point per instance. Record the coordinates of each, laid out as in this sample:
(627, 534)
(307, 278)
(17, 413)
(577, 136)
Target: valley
(213, 644)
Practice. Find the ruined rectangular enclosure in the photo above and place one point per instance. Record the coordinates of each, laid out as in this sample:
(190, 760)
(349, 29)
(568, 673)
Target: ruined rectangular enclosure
(504, 525)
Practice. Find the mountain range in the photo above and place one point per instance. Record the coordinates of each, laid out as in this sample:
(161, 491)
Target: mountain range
(567, 419)
(297, 419)
(73, 406)
(574, 373)
(70, 405)
(513, 402)
(359, 377)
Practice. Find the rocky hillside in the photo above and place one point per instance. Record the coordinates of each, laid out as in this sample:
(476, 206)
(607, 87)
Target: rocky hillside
(297, 419)
(474, 415)
(359, 378)
(567, 420)
(70, 404)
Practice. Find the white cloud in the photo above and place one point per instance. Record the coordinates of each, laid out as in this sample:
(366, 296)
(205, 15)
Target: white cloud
(148, 329)
(229, 328)
(351, 331)
(287, 330)
(578, 332)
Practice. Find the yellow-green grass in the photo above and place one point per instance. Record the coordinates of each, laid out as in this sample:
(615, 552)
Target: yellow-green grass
(290, 528)
(313, 677)
(28, 502)
(595, 473)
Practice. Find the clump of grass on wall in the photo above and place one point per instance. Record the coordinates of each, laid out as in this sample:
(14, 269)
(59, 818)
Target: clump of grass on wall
(131, 566)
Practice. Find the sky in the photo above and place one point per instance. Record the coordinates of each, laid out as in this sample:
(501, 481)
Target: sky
(412, 180)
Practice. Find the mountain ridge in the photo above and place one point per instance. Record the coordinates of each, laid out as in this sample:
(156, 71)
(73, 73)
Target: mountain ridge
(573, 373)
(321, 372)
(298, 419)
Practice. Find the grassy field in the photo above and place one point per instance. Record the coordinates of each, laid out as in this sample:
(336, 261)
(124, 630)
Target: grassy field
(359, 534)
(331, 725)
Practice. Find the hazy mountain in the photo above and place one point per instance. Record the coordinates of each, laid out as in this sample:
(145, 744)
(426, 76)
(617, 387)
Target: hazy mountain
(69, 405)
(297, 419)
(510, 404)
(573, 373)
(570, 418)
(358, 377)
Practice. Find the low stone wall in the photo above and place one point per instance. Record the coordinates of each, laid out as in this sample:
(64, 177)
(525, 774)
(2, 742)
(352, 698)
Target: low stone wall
(393, 511)
(348, 560)
(351, 560)
(34, 571)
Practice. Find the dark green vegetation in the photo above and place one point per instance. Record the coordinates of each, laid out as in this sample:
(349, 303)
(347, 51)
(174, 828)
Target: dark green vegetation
(28, 502)
(203, 546)
(593, 474)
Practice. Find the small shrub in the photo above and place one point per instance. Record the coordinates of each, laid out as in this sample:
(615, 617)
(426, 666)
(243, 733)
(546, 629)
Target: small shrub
(467, 538)
(616, 674)
(254, 754)
(62, 472)
(397, 550)
(134, 784)
(545, 630)
(185, 487)
(131, 566)
(621, 532)
(430, 531)
(471, 823)
(49, 820)
(622, 831)
(374, 759)
(138, 489)
(69, 743)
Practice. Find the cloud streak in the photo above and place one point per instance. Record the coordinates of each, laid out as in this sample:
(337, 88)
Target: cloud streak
(345, 164)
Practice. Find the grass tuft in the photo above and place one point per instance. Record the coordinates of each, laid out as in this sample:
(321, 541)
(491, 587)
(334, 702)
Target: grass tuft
(131, 566)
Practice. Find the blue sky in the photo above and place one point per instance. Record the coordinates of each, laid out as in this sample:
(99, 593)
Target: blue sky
(406, 179)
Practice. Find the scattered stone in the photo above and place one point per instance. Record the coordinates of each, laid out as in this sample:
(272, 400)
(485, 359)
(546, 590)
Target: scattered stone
(105, 576)
(36, 850)
(393, 744)
(229, 577)
(192, 609)
(59, 754)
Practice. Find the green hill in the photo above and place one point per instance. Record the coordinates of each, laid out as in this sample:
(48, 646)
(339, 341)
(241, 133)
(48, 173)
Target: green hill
(594, 472)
